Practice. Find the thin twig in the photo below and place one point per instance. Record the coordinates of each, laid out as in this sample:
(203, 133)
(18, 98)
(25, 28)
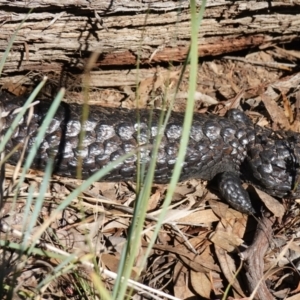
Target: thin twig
(17, 110)
(270, 64)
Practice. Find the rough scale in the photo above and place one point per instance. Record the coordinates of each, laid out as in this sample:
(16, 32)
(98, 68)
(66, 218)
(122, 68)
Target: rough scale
(226, 148)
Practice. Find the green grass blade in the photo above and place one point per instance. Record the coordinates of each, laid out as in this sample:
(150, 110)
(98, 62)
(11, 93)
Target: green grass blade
(187, 121)
(39, 202)
(40, 135)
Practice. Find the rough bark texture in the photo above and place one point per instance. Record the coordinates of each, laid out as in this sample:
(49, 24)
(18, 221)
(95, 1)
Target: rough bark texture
(61, 35)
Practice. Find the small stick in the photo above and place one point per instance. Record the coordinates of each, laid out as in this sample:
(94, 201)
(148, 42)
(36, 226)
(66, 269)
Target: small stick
(271, 64)
(17, 110)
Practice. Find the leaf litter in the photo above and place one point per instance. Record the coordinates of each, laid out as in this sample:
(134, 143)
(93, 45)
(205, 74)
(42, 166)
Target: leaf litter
(198, 248)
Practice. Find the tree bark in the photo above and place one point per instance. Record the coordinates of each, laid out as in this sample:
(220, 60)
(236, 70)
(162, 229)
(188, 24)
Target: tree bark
(60, 36)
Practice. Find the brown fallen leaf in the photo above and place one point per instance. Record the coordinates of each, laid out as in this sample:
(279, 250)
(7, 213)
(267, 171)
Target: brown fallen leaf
(153, 201)
(287, 108)
(276, 113)
(227, 264)
(271, 203)
(225, 240)
(180, 281)
(219, 208)
(201, 284)
(110, 261)
(200, 216)
(194, 261)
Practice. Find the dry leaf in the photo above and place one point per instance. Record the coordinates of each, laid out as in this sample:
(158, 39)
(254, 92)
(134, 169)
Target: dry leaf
(219, 208)
(180, 280)
(200, 216)
(110, 261)
(201, 284)
(271, 203)
(225, 240)
(177, 214)
(295, 297)
(276, 113)
(238, 227)
(287, 108)
(199, 263)
(228, 267)
(153, 201)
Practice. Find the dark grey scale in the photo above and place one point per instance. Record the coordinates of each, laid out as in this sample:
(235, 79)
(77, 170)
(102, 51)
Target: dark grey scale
(196, 132)
(72, 164)
(144, 155)
(54, 126)
(88, 162)
(229, 186)
(171, 151)
(163, 142)
(125, 131)
(227, 133)
(89, 125)
(23, 132)
(193, 157)
(203, 146)
(279, 173)
(251, 136)
(235, 144)
(127, 147)
(129, 171)
(268, 155)
(64, 167)
(241, 134)
(95, 149)
(54, 139)
(88, 139)
(265, 170)
(225, 122)
(70, 146)
(212, 130)
(111, 145)
(117, 154)
(81, 153)
(68, 152)
(239, 118)
(211, 163)
(104, 132)
(141, 134)
(44, 147)
(161, 172)
(153, 131)
(161, 158)
(217, 151)
(130, 160)
(102, 160)
(267, 182)
(173, 132)
(283, 154)
(216, 148)
(42, 159)
(73, 128)
(14, 135)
